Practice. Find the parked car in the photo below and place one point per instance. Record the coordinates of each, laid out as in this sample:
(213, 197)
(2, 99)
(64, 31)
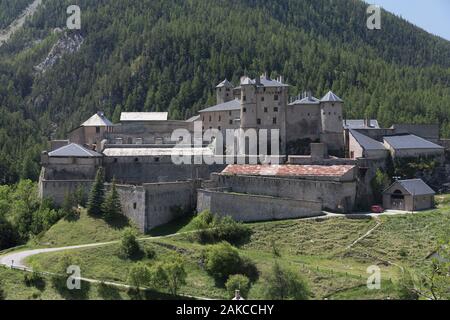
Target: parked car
(377, 209)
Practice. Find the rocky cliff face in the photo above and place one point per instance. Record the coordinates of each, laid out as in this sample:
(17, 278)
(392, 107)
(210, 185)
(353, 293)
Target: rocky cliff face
(67, 44)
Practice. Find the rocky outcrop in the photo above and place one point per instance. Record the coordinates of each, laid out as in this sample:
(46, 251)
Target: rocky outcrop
(67, 44)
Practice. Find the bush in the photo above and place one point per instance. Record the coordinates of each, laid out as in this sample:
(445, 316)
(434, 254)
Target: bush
(283, 284)
(223, 260)
(169, 274)
(150, 253)
(129, 246)
(139, 275)
(213, 228)
(238, 282)
(33, 279)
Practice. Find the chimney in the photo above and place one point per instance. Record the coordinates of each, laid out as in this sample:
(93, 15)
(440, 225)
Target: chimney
(281, 79)
(100, 113)
(258, 80)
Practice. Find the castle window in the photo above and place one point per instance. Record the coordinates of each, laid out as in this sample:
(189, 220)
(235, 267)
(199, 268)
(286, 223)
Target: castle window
(136, 159)
(262, 98)
(210, 118)
(115, 160)
(244, 109)
(220, 118)
(229, 113)
(157, 159)
(97, 129)
(244, 98)
(275, 109)
(274, 120)
(309, 114)
(220, 128)
(265, 110)
(228, 90)
(275, 97)
(258, 121)
(134, 206)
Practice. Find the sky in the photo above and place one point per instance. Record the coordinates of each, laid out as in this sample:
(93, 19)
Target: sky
(430, 15)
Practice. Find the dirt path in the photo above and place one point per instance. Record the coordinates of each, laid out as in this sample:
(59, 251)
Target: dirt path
(19, 22)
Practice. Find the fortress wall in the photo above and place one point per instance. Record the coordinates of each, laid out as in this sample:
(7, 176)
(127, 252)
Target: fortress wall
(303, 121)
(165, 202)
(248, 208)
(133, 203)
(335, 196)
(57, 189)
(147, 172)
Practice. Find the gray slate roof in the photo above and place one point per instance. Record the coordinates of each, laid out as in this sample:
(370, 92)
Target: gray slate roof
(306, 100)
(359, 124)
(227, 106)
(331, 97)
(264, 82)
(410, 141)
(416, 187)
(193, 119)
(97, 120)
(225, 83)
(366, 142)
(74, 150)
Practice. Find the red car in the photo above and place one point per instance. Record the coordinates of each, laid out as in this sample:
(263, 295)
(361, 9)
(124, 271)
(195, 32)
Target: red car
(377, 209)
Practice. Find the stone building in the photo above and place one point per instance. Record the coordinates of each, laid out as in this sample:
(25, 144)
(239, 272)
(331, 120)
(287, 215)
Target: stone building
(409, 195)
(412, 146)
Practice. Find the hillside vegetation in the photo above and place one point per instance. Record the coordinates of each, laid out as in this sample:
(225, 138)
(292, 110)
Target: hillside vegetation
(158, 55)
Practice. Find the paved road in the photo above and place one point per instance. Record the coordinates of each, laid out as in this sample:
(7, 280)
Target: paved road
(18, 23)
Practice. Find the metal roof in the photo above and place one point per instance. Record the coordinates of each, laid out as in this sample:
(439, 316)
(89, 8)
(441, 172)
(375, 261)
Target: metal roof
(225, 83)
(74, 150)
(306, 100)
(366, 142)
(144, 116)
(149, 152)
(97, 120)
(227, 106)
(360, 124)
(410, 141)
(264, 81)
(287, 170)
(331, 97)
(416, 187)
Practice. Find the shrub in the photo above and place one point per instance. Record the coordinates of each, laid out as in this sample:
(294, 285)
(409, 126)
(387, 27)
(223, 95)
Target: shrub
(283, 284)
(169, 274)
(223, 260)
(150, 253)
(139, 275)
(129, 246)
(238, 282)
(213, 228)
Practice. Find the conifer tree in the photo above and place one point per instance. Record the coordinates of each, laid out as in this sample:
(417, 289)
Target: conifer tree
(97, 195)
(112, 207)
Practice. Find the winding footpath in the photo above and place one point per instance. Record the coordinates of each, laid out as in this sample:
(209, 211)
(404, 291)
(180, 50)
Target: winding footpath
(19, 22)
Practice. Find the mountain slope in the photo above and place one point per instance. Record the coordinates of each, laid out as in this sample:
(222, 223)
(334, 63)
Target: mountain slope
(155, 55)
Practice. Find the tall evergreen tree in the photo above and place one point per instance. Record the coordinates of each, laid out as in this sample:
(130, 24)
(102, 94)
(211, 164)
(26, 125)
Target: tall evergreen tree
(112, 207)
(97, 194)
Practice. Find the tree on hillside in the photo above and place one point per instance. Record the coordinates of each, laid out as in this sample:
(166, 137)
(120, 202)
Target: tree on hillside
(97, 194)
(379, 183)
(129, 246)
(112, 207)
(170, 274)
(238, 282)
(283, 284)
(139, 275)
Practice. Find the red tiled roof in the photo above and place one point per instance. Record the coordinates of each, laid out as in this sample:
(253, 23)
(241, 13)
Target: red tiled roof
(287, 170)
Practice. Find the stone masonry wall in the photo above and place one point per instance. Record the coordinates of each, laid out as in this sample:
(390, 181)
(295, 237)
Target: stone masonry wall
(248, 208)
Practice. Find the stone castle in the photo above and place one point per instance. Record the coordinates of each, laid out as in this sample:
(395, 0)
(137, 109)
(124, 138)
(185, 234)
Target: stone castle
(138, 152)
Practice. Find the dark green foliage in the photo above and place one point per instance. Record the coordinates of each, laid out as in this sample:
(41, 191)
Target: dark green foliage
(97, 195)
(213, 228)
(150, 253)
(112, 209)
(407, 168)
(223, 260)
(22, 214)
(129, 247)
(379, 183)
(2, 292)
(10, 10)
(283, 284)
(167, 55)
(238, 282)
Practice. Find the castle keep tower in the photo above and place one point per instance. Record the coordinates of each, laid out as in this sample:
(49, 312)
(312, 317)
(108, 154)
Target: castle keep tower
(224, 91)
(331, 118)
